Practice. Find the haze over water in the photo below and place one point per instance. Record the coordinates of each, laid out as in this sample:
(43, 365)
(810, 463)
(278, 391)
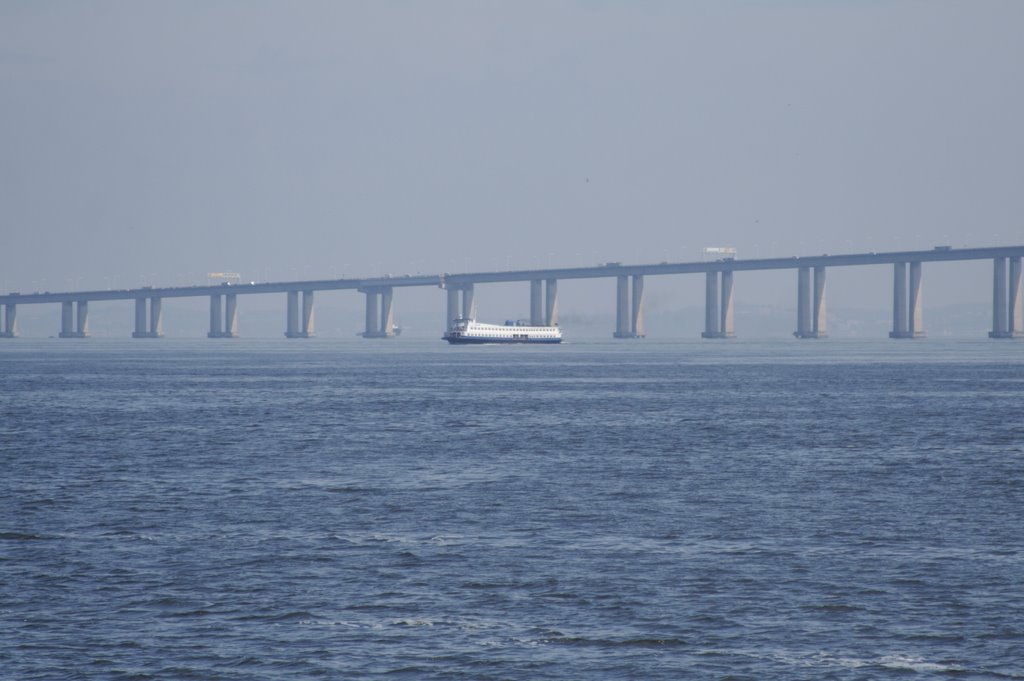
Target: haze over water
(154, 143)
(600, 510)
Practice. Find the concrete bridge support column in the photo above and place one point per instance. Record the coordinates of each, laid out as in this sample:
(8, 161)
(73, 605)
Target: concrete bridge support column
(536, 317)
(156, 317)
(1000, 304)
(10, 326)
(712, 312)
(372, 326)
(74, 319)
(468, 302)
(216, 321)
(819, 326)
(1015, 308)
(629, 319)
(915, 327)
(293, 328)
(899, 301)
(226, 326)
(380, 316)
(462, 304)
(67, 320)
(803, 303)
(82, 319)
(810, 304)
(551, 298)
(637, 318)
(452, 308)
(231, 316)
(387, 313)
(292, 315)
(141, 321)
(906, 307)
(151, 325)
(622, 308)
(726, 326)
(307, 330)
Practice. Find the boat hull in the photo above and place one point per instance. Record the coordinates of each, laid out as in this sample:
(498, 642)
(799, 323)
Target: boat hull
(462, 340)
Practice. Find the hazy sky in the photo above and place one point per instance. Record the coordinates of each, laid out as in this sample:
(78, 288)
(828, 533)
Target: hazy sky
(152, 142)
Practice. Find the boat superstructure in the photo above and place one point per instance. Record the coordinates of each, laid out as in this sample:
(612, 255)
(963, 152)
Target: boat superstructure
(470, 331)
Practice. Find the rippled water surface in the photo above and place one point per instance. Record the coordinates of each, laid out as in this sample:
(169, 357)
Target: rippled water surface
(629, 510)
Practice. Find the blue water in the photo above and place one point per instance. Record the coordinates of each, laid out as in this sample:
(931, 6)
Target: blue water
(613, 510)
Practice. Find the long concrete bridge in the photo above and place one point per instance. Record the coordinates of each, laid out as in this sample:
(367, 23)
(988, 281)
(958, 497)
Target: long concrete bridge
(1007, 321)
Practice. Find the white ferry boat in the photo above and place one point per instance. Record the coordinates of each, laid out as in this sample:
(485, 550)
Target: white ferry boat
(466, 331)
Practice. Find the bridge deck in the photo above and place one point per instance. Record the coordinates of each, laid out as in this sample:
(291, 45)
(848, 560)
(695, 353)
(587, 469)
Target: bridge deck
(794, 262)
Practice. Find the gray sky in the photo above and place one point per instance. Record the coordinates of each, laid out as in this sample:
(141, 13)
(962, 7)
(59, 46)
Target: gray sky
(152, 142)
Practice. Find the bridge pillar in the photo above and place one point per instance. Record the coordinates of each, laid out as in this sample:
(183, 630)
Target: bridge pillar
(231, 316)
(810, 304)
(216, 321)
(536, 318)
(1000, 302)
(10, 326)
(712, 315)
(906, 307)
(453, 307)
(551, 298)
(622, 307)
(292, 315)
(156, 317)
(151, 326)
(461, 303)
(726, 326)
(307, 330)
(293, 328)
(629, 320)
(818, 321)
(380, 316)
(387, 313)
(1015, 308)
(543, 302)
(67, 311)
(803, 303)
(718, 306)
(74, 319)
(372, 326)
(914, 326)
(140, 319)
(468, 302)
(226, 326)
(637, 318)
(82, 319)
(899, 301)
